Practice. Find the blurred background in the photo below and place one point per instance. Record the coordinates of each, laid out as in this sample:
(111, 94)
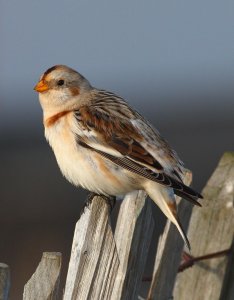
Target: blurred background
(172, 60)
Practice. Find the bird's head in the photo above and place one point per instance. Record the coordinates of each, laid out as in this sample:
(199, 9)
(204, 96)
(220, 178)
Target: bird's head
(61, 87)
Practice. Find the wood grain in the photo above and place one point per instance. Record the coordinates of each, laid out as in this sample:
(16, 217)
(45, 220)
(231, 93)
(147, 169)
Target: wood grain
(106, 266)
(4, 281)
(94, 260)
(44, 283)
(211, 230)
(133, 236)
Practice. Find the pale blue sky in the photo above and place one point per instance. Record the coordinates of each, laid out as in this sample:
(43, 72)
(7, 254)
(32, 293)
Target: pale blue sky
(168, 52)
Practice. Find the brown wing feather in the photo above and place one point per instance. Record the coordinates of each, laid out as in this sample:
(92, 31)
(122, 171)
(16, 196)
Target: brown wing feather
(179, 188)
(119, 128)
(118, 133)
(108, 118)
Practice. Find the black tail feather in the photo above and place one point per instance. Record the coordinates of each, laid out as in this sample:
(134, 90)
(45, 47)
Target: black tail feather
(178, 186)
(187, 193)
(187, 197)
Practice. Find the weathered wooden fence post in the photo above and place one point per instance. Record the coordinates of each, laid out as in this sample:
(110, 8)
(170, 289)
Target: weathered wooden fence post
(4, 281)
(133, 234)
(94, 260)
(109, 266)
(44, 283)
(211, 230)
(101, 265)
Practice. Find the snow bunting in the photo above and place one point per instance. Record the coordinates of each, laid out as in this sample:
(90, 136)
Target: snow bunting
(105, 146)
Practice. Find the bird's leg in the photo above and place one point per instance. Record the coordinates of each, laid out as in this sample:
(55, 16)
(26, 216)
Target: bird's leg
(89, 199)
(188, 260)
(88, 202)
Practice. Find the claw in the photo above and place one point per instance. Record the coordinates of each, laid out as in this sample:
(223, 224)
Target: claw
(110, 200)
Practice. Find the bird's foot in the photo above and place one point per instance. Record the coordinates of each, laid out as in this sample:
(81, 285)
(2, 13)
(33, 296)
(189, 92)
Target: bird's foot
(88, 202)
(110, 200)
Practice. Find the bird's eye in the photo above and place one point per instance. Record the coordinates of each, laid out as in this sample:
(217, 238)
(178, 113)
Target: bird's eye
(60, 82)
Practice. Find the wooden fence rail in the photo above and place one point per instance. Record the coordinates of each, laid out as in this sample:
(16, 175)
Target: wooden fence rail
(109, 265)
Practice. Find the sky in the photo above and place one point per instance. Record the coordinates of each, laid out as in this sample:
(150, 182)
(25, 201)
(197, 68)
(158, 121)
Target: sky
(169, 53)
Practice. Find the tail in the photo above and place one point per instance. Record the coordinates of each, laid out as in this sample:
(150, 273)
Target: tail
(165, 199)
(187, 193)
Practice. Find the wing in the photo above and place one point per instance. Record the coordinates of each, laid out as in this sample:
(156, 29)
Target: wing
(110, 127)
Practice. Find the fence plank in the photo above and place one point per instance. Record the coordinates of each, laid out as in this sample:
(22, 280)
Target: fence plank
(103, 266)
(132, 235)
(211, 229)
(94, 260)
(4, 281)
(168, 255)
(44, 283)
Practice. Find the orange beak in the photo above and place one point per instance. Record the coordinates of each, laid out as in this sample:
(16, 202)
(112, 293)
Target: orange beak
(41, 86)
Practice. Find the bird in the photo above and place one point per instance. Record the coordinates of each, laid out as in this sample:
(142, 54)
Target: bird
(107, 147)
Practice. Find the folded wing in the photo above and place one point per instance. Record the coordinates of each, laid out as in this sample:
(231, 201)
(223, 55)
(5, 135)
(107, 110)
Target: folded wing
(112, 129)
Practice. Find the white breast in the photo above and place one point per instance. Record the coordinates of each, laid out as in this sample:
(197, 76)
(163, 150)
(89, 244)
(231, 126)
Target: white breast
(82, 166)
(73, 160)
